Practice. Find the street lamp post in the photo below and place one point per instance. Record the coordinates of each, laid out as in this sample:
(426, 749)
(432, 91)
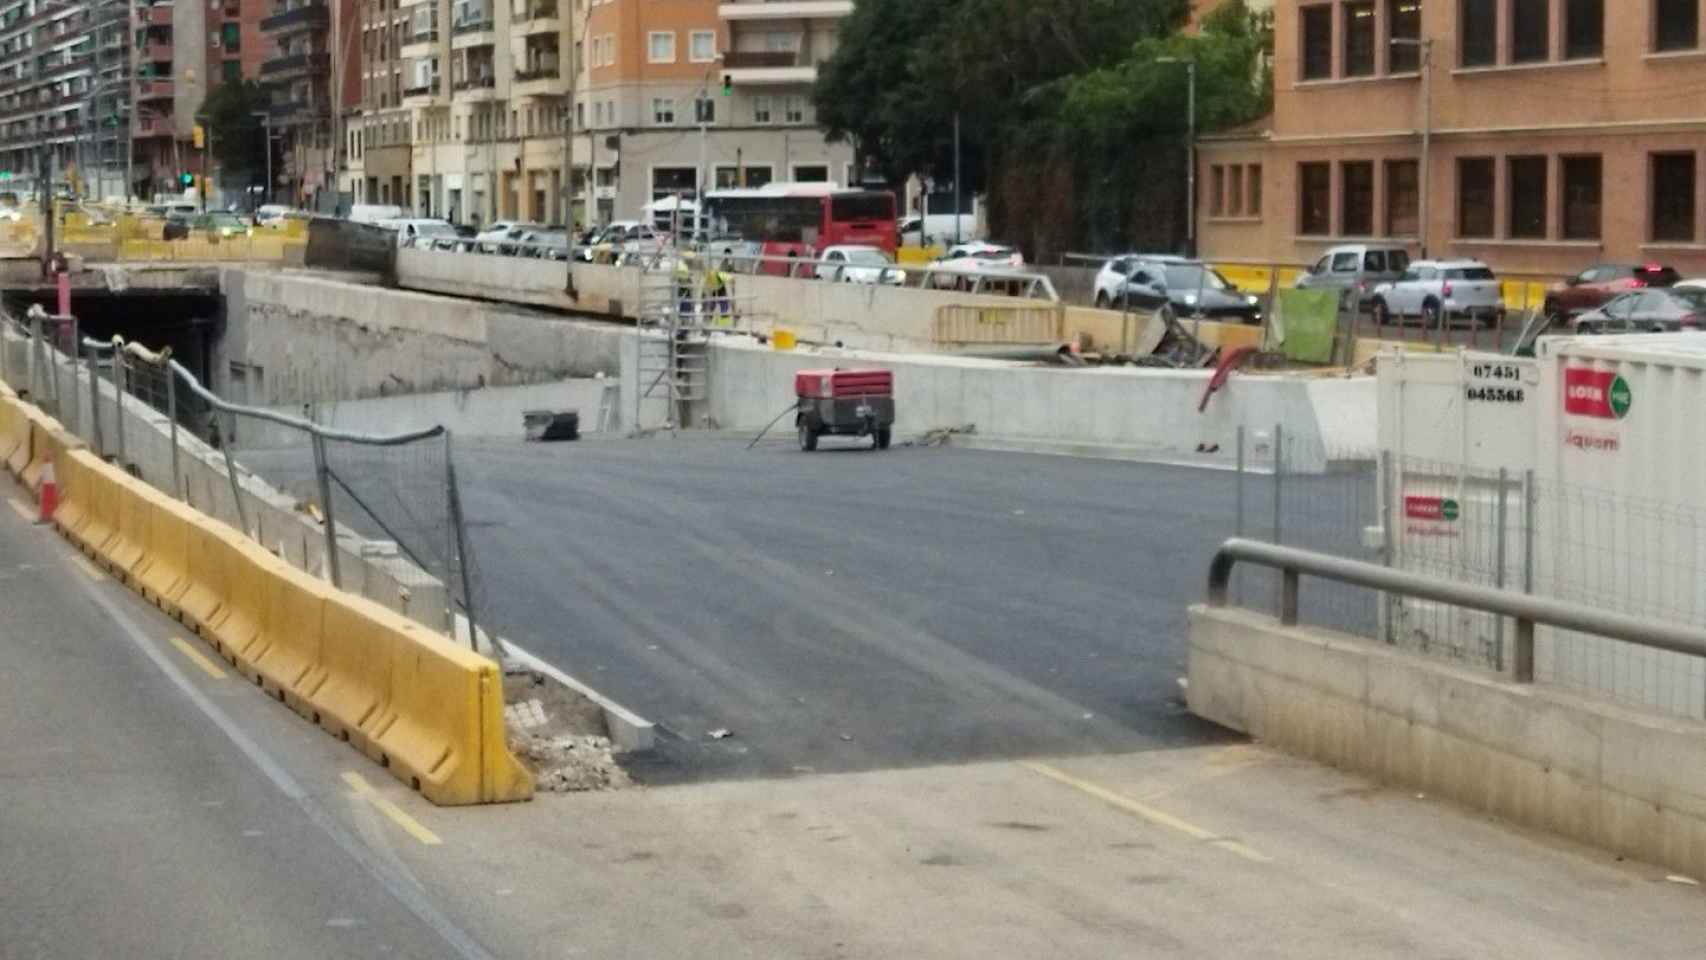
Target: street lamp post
(1190, 151)
(266, 125)
(1427, 48)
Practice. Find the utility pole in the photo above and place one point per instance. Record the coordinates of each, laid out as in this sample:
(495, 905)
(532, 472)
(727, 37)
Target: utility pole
(130, 98)
(574, 69)
(1426, 178)
(957, 187)
(266, 127)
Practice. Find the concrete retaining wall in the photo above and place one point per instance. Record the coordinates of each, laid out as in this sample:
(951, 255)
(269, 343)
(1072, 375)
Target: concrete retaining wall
(1110, 410)
(1616, 778)
(298, 339)
(495, 412)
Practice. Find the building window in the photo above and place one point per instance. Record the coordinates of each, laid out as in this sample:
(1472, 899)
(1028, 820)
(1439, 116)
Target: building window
(231, 36)
(1217, 191)
(660, 47)
(1525, 179)
(1356, 211)
(671, 181)
(1530, 38)
(1317, 25)
(702, 47)
(811, 173)
(1478, 33)
(1234, 190)
(663, 111)
(1475, 197)
(1254, 194)
(704, 110)
(1673, 196)
(1403, 198)
(1404, 22)
(751, 175)
(1676, 24)
(232, 70)
(1584, 29)
(793, 109)
(1581, 198)
(760, 109)
(1314, 199)
(1359, 39)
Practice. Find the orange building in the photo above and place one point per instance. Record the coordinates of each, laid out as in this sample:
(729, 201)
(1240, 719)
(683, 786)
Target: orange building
(1557, 133)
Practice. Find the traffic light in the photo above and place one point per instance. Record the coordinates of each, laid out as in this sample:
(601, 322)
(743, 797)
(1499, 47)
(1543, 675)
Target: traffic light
(187, 179)
(198, 137)
(728, 85)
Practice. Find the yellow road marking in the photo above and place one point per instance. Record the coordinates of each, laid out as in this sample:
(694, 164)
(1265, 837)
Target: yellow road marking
(84, 565)
(198, 658)
(1146, 812)
(23, 509)
(410, 825)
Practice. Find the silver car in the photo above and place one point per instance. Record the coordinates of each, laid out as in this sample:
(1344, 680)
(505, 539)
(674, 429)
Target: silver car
(1355, 269)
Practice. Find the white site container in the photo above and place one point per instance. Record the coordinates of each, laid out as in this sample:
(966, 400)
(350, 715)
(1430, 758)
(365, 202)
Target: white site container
(1448, 422)
(1621, 509)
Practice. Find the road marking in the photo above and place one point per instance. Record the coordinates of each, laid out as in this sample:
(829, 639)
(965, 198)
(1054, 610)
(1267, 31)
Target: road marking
(382, 865)
(23, 509)
(359, 785)
(198, 658)
(1146, 812)
(84, 565)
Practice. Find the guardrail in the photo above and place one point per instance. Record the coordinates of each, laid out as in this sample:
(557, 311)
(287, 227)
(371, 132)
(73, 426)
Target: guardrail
(1526, 609)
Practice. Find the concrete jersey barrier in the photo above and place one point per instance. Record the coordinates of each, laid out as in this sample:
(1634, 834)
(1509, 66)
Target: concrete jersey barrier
(420, 706)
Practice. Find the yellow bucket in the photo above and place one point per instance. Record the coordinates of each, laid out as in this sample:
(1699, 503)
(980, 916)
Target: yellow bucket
(782, 339)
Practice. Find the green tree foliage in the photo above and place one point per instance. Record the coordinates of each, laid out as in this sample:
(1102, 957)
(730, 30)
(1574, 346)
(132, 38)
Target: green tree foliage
(1072, 123)
(239, 138)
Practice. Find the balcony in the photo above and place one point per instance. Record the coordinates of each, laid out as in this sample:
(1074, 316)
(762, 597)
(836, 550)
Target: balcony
(472, 25)
(426, 96)
(282, 67)
(543, 80)
(148, 125)
(155, 15)
(313, 16)
(153, 90)
(156, 53)
(476, 89)
(541, 17)
(785, 10)
(767, 68)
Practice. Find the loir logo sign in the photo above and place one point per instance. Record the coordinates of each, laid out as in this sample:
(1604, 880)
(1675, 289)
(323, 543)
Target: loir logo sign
(1596, 393)
(1430, 508)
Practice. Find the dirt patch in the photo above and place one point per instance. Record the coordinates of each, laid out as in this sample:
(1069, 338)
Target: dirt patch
(559, 735)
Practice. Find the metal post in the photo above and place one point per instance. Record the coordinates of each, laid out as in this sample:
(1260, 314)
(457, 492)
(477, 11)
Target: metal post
(172, 415)
(957, 188)
(1388, 533)
(462, 554)
(76, 405)
(31, 360)
(118, 388)
(1522, 662)
(1238, 512)
(95, 404)
(321, 472)
(1191, 161)
(231, 472)
(1288, 598)
(1499, 571)
(1528, 531)
(1427, 140)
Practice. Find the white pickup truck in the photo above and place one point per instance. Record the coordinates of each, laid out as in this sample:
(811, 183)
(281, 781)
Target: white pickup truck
(1440, 291)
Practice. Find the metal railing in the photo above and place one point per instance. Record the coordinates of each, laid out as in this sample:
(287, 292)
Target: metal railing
(1525, 609)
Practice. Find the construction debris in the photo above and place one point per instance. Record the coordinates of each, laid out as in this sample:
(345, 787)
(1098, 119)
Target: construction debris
(559, 735)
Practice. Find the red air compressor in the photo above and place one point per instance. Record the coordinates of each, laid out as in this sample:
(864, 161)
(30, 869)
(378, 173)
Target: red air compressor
(850, 403)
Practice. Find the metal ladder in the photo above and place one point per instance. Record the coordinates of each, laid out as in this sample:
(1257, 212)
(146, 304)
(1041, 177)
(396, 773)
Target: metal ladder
(670, 350)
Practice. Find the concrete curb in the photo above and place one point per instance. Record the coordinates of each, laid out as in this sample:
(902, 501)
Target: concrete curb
(1097, 451)
(628, 730)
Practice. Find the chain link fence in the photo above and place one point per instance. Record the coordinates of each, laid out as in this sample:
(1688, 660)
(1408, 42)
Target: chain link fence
(376, 515)
(1495, 528)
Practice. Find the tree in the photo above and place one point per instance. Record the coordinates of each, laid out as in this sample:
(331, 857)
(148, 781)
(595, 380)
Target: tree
(239, 137)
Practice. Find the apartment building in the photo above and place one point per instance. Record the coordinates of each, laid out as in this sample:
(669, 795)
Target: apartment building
(486, 88)
(1559, 133)
(380, 143)
(312, 74)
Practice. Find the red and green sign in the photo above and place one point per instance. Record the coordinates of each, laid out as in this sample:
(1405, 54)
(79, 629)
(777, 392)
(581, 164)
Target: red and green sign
(1430, 508)
(1596, 393)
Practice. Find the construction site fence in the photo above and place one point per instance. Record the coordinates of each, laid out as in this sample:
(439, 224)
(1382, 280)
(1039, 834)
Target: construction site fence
(379, 515)
(1505, 529)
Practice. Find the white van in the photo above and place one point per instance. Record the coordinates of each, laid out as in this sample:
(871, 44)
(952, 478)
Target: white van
(374, 213)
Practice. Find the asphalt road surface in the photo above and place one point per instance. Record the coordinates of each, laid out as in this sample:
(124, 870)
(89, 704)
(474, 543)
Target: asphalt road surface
(849, 610)
(144, 807)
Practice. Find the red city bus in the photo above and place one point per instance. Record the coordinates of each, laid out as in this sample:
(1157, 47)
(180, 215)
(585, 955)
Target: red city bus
(798, 219)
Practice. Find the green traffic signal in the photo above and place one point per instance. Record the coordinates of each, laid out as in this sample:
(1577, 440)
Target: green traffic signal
(728, 85)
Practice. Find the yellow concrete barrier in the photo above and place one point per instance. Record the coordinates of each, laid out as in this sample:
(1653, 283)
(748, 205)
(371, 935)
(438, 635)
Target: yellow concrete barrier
(1019, 324)
(425, 708)
(917, 256)
(14, 429)
(164, 573)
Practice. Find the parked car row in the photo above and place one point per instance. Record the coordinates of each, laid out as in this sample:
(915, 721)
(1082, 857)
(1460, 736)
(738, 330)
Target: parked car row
(1182, 286)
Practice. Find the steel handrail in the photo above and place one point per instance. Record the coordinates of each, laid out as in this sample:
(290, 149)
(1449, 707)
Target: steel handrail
(1526, 609)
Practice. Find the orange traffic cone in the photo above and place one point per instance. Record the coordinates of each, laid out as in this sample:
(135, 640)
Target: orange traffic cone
(49, 493)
